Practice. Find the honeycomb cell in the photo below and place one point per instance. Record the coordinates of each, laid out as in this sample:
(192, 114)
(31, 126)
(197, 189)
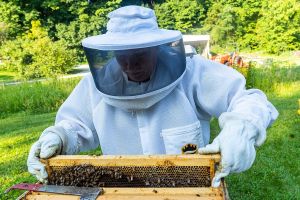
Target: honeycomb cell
(131, 176)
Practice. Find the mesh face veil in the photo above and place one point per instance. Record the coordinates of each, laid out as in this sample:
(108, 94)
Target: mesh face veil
(139, 71)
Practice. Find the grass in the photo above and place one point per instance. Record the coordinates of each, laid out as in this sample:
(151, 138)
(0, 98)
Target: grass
(274, 175)
(38, 97)
(6, 76)
(270, 77)
(18, 132)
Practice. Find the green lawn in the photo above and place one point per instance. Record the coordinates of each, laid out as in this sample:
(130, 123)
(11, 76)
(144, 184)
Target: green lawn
(276, 171)
(17, 133)
(274, 175)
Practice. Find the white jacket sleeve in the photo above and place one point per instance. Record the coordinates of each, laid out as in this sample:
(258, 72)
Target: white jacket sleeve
(220, 92)
(75, 116)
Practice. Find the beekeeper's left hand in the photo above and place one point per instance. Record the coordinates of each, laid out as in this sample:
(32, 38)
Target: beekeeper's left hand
(236, 144)
(48, 145)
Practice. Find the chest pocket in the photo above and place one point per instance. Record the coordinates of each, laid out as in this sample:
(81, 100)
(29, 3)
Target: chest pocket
(175, 138)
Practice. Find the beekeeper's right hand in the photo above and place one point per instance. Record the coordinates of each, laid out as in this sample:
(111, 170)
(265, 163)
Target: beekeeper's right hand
(48, 145)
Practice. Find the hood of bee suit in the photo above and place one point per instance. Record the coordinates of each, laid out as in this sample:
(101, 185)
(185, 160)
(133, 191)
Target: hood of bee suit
(139, 31)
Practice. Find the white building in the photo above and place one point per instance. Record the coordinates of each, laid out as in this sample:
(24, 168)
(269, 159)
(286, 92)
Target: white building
(199, 42)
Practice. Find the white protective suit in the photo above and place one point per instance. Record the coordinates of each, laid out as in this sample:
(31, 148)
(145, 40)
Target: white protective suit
(206, 89)
(161, 115)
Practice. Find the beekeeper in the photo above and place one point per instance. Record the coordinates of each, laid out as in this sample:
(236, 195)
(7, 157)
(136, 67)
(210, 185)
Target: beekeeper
(144, 96)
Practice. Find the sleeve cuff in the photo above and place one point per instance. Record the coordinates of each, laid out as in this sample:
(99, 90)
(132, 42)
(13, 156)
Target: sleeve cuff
(66, 147)
(232, 116)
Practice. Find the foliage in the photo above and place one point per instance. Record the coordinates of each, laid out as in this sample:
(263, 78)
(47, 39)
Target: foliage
(264, 25)
(3, 32)
(185, 16)
(35, 55)
(12, 16)
(255, 25)
(88, 20)
(248, 14)
(221, 23)
(278, 28)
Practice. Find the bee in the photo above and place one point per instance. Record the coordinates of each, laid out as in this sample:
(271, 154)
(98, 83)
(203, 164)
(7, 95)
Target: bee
(173, 183)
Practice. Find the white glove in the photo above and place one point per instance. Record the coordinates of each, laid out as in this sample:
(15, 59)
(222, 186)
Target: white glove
(236, 143)
(49, 144)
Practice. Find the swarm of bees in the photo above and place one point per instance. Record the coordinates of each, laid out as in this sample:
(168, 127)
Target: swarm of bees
(156, 176)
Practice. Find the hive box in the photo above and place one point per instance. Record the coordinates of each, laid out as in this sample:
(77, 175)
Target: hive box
(166, 177)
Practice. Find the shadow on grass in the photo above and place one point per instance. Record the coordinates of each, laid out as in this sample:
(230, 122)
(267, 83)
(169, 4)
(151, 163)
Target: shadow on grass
(20, 121)
(78, 71)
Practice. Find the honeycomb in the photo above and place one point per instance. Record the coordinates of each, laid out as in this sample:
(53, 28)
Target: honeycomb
(130, 176)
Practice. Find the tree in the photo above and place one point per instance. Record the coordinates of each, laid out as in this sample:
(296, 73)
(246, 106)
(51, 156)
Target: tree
(11, 16)
(221, 23)
(185, 16)
(248, 14)
(278, 28)
(3, 32)
(90, 20)
(36, 55)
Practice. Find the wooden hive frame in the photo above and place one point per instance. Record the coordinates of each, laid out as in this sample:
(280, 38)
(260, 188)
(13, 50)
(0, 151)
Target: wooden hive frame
(133, 193)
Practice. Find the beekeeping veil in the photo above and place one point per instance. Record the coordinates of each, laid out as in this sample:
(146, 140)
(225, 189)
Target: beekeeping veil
(134, 28)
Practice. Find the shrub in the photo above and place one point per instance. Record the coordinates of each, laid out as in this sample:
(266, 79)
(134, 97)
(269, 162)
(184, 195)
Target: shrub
(36, 55)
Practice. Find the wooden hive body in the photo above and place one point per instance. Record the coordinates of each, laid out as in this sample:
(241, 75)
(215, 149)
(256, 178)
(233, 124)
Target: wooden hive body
(135, 177)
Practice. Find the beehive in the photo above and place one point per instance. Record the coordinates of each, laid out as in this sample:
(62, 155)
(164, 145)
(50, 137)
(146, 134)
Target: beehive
(135, 177)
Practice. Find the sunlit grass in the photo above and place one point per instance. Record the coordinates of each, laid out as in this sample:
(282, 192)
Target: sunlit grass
(286, 89)
(17, 133)
(274, 175)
